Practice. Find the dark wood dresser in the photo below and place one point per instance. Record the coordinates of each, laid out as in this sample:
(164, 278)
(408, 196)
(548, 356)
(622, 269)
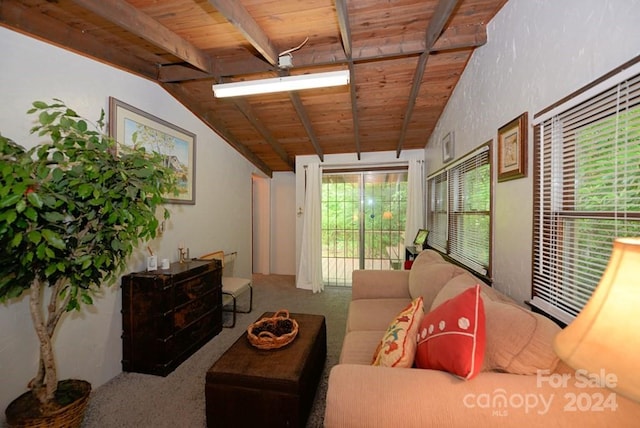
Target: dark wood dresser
(168, 314)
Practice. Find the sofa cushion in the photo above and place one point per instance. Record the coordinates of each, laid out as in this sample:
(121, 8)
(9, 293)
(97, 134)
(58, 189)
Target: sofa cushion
(452, 336)
(398, 345)
(428, 276)
(518, 340)
(460, 283)
(358, 346)
(373, 314)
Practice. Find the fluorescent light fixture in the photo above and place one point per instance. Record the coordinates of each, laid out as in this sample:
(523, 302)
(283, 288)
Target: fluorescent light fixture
(281, 84)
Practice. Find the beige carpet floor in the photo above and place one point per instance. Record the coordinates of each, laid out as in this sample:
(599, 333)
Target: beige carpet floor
(177, 400)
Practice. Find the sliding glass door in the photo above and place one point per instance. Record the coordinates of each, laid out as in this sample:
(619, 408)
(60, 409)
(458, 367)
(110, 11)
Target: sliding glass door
(363, 221)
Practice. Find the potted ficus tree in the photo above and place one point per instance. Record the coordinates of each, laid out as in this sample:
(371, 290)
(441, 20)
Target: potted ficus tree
(72, 211)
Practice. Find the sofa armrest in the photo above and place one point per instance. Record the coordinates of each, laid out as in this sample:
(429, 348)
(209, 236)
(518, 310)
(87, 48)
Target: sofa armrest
(380, 284)
(369, 396)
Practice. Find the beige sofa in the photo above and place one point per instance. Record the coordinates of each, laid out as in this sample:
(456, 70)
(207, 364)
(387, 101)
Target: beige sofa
(521, 383)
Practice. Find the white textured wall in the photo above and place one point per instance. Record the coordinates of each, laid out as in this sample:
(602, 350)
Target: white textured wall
(89, 346)
(283, 221)
(537, 53)
(261, 222)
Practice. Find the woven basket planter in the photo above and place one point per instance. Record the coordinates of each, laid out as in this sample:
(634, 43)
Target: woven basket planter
(273, 332)
(68, 416)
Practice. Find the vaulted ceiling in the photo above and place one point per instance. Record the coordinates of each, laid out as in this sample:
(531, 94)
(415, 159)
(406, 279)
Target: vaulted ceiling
(404, 58)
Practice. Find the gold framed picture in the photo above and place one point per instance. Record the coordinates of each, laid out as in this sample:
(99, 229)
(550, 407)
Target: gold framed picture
(512, 149)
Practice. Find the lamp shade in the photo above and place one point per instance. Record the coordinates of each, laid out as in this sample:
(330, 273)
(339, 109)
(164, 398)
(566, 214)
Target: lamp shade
(604, 339)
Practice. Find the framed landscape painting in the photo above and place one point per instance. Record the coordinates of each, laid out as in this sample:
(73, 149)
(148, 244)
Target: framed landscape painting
(133, 127)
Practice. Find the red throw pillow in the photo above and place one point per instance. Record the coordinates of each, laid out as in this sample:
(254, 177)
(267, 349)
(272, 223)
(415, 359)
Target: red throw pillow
(452, 336)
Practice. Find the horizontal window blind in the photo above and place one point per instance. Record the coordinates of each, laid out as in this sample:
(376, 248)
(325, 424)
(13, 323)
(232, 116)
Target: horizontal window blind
(469, 215)
(438, 211)
(587, 192)
(460, 210)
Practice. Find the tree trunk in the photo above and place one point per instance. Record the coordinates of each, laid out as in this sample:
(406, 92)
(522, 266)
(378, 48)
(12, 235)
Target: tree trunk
(45, 383)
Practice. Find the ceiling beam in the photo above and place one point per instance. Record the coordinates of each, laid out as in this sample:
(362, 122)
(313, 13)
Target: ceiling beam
(31, 21)
(252, 117)
(306, 122)
(345, 34)
(238, 16)
(304, 118)
(180, 94)
(441, 15)
(142, 25)
(345, 28)
(454, 38)
(181, 72)
(354, 109)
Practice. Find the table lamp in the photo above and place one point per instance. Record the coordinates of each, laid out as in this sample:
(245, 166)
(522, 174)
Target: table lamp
(605, 336)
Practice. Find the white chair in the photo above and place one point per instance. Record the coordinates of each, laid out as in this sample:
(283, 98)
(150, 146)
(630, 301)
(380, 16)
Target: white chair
(232, 287)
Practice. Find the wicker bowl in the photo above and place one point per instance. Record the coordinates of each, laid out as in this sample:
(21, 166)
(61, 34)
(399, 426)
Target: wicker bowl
(273, 332)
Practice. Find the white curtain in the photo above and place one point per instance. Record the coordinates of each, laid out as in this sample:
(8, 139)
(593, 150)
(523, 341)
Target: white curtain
(310, 269)
(415, 201)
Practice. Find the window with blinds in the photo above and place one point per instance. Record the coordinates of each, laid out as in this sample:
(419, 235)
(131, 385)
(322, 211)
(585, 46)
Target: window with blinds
(459, 213)
(586, 190)
(438, 211)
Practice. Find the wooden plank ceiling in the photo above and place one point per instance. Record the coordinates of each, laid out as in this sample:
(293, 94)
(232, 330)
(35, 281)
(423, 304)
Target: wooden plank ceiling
(404, 57)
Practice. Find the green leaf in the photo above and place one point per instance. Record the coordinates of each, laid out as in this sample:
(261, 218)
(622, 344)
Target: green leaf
(73, 305)
(116, 245)
(46, 118)
(21, 205)
(31, 214)
(34, 236)
(10, 216)
(53, 217)
(81, 126)
(10, 200)
(17, 239)
(57, 174)
(143, 173)
(50, 269)
(85, 190)
(34, 199)
(49, 201)
(54, 239)
(99, 260)
(14, 292)
(41, 251)
(86, 299)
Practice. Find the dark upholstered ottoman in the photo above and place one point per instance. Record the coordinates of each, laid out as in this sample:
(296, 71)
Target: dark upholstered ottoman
(250, 387)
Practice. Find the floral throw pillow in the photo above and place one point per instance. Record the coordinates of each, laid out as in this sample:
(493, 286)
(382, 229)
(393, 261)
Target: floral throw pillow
(398, 346)
(452, 336)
